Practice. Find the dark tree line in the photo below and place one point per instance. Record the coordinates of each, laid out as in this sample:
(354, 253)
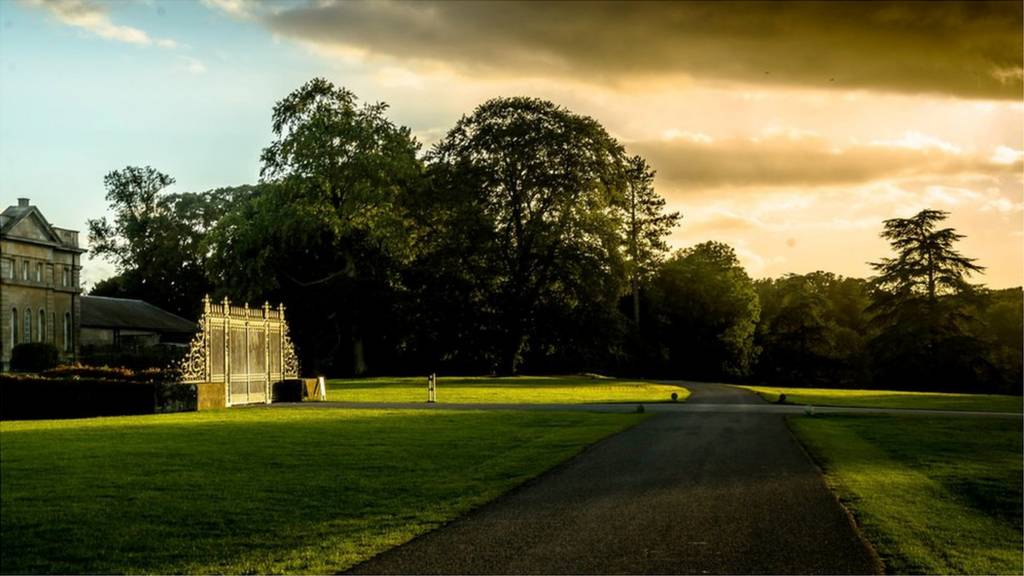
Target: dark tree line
(527, 239)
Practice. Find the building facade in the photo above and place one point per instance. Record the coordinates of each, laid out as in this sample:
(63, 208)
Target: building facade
(39, 283)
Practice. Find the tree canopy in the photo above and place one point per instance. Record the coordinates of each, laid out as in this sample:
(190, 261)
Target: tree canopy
(157, 240)
(705, 311)
(528, 239)
(545, 185)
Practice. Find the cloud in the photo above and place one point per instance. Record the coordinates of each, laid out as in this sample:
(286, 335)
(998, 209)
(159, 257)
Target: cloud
(236, 8)
(193, 65)
(785, 158)
(93, 18)
(965, 49)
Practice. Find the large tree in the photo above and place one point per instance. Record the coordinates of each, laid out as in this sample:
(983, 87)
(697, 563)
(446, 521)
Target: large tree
(156, 239)
(329, 226)
(923, 305)
(703, 313)
(546, 187)
(812, 330)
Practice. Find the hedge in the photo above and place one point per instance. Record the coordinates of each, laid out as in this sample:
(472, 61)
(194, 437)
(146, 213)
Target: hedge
(24, 397)
(72, 371)
(33, 357)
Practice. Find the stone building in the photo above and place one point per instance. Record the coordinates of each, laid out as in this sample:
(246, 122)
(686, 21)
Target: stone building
(39, 283)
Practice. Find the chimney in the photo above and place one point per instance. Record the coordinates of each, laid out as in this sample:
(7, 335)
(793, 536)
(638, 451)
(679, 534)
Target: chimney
(22, 202)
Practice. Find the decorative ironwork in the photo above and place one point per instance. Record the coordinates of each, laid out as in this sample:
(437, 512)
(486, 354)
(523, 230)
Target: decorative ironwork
(248, 349)
(290, 362)
(193, 366)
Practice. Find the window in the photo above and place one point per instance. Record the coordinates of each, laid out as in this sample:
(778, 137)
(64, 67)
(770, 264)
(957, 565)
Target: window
(27, 325)
(39, 272)
(42, 325)
(14, 326)
(24, 269)
(67, 332)
(64, 277)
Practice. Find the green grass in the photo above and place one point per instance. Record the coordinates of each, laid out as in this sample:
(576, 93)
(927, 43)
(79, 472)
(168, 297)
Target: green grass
(514, 390)
(311, 490)
(892, 399)
(935, 495)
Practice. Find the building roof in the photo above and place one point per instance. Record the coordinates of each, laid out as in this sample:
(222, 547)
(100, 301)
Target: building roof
(57, 237)
(128, 314)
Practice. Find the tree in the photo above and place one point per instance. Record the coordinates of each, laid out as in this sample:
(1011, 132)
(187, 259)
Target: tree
(923, 305)
(704, 311)
(329, 227)
(156, 239)
(647, 225)
(926, 264)
(1001, 330)
(812, 330)
(546, 186)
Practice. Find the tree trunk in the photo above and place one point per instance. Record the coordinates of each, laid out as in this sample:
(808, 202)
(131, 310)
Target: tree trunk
(510, 355)
(636, 302)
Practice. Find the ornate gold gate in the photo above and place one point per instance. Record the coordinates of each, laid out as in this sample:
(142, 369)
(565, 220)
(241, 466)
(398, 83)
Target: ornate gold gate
(248, 349)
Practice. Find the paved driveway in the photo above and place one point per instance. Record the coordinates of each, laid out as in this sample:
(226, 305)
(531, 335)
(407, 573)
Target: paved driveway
(684, 492)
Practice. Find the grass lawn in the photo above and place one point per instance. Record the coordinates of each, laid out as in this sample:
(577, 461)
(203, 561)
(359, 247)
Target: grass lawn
(513, 390)
(892, 399)
(935, 495)
(260, 490)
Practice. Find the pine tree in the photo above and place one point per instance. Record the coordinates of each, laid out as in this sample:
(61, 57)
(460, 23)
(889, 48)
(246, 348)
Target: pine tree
(923, 307)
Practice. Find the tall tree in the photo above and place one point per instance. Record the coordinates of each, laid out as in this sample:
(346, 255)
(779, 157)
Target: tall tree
(156, 239)
(923, 304)
(647, 225)
(926, 263)
(547, 183)
(330, 225)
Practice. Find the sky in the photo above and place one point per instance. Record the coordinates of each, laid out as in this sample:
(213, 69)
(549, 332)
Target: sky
(787, 130)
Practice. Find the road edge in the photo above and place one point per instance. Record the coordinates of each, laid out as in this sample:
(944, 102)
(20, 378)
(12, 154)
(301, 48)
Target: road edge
(876, 559)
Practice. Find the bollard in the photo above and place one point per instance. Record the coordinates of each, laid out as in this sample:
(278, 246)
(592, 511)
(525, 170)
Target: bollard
(431, 388)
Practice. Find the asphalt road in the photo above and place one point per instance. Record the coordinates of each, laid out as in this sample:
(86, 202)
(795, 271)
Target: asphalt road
(683, 492)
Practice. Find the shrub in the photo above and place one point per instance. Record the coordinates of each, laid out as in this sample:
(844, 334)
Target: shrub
(27, 396)
(112, 373)
(136, 359)
(33, 357)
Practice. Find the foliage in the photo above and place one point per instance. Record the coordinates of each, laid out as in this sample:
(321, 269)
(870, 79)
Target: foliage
(36, 397)
(812, 330)
(931, 498)
(328, 227)
(1000, 329)
(110, 373)
(527, 239)
(134, 357)
(511, 390)
(541, 189)
(175, 493)
(156, 240)
(703, 313)
(33, 356)
(926, 264)
(646, 226)
(923, 309)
